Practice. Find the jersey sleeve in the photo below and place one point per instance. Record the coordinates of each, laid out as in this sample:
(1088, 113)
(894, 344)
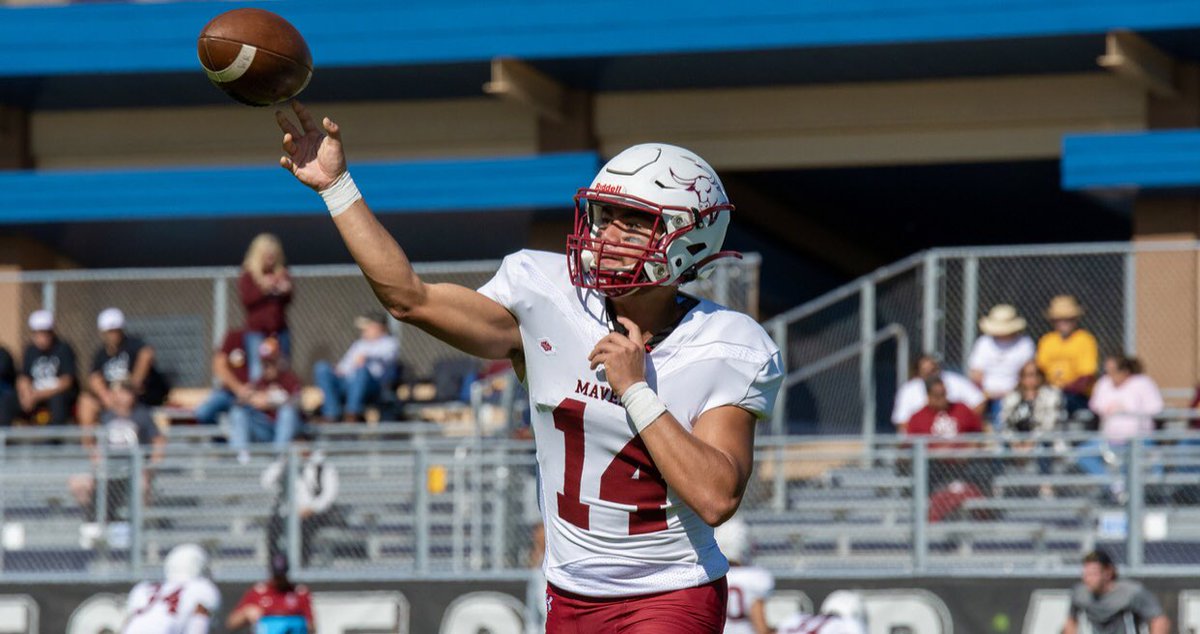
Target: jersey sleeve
(202, 593)
(137, 597)
(1146, 605)
(759, 586)
(736, 375)
(503, 287)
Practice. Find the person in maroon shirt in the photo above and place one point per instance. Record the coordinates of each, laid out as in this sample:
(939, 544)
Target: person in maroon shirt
(276, 605)
(270, 412)
(942, 418)
(266, 290)
(952, 480)
(230, 367)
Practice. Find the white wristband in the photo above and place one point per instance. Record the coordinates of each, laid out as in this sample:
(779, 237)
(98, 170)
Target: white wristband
(642, 405)
(340, 194)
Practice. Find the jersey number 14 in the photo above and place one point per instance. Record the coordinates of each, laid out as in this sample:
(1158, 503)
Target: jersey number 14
(631, 478)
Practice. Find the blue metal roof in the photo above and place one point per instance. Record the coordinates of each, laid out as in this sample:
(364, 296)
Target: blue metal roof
(538, 182)
(1168, 159)
(140, 38)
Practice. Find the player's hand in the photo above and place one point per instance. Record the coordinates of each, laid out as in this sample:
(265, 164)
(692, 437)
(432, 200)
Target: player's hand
(252, 613)
(313, 154)
(623, 357)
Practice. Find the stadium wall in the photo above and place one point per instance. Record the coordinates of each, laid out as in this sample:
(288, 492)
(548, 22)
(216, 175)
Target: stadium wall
(918, 606)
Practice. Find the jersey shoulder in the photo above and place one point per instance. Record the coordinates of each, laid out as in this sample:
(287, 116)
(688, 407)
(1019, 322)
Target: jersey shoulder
(715, 323)
(203, 592)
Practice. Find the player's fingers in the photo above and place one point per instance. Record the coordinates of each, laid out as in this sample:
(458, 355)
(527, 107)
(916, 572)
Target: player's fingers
(289, 144)
(286, 163)
(635, 333)
(285, 124)
(306, 119)
(332, 129)
(599, 360)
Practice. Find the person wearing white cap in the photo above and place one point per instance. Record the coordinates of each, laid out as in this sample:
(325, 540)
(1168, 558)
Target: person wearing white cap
(999, 354)
(119, 358)
(46, 387)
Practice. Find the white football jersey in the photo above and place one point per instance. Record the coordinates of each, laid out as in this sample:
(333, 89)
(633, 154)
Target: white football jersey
(819, 624)
(747, 584)
(613, 527)
(164, 607)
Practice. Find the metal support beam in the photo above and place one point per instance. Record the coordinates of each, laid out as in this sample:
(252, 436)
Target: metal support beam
(1129, 55)
(521, 83)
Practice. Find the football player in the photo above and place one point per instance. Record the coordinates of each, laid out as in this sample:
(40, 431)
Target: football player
(182, 604)
(842, 612)
(643, 399)
(749, 586)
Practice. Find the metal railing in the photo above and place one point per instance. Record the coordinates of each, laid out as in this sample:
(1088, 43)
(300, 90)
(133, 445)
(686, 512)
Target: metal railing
(185, 312)
(413, 504)
(935, 298)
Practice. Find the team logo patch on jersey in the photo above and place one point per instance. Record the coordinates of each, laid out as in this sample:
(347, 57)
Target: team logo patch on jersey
(546, 346)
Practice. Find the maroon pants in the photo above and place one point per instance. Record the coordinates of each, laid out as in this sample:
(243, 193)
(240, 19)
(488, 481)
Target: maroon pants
(698, 610)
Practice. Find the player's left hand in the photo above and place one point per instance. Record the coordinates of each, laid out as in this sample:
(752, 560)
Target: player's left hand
(623, 357)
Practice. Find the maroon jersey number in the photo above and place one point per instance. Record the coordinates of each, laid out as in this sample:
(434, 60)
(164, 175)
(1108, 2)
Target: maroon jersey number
(631, 478)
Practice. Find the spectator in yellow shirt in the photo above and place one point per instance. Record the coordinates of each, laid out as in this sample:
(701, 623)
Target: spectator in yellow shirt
(1068, 355)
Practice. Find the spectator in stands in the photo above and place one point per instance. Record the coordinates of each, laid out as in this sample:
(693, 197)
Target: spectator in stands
(266, 290)
(46, 387)
(943, 417)
(230, 367)
(1112, 605)
(952, 480)
(120, 358)
(364, 372)
(271, 411)
(1069, 354)
(315, 495)
(911, 396)
(274, 605)
(8, 388)
(128, 425)
(998, 355)
(1126, 400)
(1035, 406)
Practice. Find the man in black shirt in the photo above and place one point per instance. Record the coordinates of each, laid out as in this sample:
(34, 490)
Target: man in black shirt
(119, 358)
(8, 388)
(46, 387)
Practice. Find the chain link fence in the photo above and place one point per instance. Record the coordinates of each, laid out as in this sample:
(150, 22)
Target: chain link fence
(429, 506)
(184, 313)
(848, 350)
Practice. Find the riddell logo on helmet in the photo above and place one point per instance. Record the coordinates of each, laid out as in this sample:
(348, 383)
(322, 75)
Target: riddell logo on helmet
(605, 188)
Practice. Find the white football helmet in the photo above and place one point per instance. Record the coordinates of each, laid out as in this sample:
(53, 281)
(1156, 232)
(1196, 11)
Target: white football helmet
(691, 212)
(846, 604)
(733, 538)
(185, 562)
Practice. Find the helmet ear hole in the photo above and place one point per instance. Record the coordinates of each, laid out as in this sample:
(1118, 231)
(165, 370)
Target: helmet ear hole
(678, 262)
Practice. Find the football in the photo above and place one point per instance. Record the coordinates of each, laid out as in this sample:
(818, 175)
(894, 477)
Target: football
(255, 56)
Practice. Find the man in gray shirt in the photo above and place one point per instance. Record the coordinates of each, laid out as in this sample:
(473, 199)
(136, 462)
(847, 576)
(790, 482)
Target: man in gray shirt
(1110, 605)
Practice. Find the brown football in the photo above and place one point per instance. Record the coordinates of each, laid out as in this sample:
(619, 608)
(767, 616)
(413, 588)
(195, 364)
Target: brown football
(255, 56)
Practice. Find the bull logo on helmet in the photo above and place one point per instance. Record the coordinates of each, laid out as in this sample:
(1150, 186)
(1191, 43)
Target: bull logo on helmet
(703, 183)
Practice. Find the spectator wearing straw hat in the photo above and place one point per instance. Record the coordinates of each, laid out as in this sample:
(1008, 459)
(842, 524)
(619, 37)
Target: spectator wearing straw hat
(1069, 354)
(46, 387)
(998, 355)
